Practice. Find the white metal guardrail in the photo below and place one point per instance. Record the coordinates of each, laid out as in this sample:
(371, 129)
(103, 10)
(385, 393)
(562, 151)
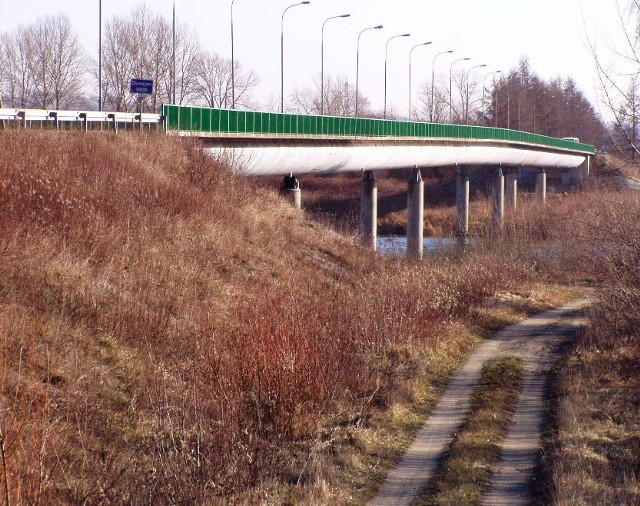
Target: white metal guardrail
(86, 120)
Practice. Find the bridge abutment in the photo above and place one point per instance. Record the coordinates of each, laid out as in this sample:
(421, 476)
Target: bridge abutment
(369, 209)
(415, 219)
(290, 189)
(498, 200)
(462, 203)
(541, 186)
(581, 172)
(511, 189)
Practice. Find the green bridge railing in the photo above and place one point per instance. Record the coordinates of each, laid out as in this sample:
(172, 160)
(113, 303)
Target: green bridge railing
(206, 120)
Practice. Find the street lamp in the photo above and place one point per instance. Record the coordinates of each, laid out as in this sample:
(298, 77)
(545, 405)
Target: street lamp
(322, 57)
(379, 27)
(433, 78)
(410, 52)
(99, 55)
(233, 70)
(282, 52)
(484, 88)
(466, 112)
(386, 55)
(451, 87)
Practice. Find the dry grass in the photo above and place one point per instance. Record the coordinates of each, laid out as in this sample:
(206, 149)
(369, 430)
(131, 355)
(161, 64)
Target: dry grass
(464, 474)
(172, 333)
(593, 452)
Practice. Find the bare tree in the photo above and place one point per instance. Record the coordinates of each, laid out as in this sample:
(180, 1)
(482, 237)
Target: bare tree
(187, 67)
(139, 46)
(438, 107)
(339, 99)
(15, 59)
(43, 65)
(213, 85)
(617, 65)
(60, 63)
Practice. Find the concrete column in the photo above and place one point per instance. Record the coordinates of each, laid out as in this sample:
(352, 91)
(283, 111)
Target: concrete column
(290, 189)
(415, 210)
(541, 186)
(462, 203)
(498, 200)
(369, 209)
(511, 189)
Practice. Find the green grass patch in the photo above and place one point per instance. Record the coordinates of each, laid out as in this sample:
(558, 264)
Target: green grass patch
(464, 473)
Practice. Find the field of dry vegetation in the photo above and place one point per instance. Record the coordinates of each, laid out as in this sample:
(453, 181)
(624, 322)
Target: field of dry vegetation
(172, 333)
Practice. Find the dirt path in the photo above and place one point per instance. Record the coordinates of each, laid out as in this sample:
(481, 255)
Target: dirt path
(537, 342)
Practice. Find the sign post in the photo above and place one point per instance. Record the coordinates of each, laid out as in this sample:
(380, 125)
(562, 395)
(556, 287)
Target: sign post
(141, 87)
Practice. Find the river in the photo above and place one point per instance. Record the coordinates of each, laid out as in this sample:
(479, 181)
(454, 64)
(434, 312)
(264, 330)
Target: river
(394, 245)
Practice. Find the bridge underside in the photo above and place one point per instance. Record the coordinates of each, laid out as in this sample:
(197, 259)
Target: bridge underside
(267, 157)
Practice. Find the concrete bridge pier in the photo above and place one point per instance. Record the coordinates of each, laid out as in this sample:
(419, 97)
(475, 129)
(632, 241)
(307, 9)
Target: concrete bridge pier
(498, 200)
(462, 204)
(369, 209)
(511, 189)
(290, 189)
(541, 186)
(415, 220)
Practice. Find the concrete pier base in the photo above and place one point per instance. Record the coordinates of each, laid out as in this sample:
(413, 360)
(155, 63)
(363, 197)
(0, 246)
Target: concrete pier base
(511, 189)
(498, 200)
(541, 186)
(462, 204)
(415, 210)
(290, 189)
(369, 210)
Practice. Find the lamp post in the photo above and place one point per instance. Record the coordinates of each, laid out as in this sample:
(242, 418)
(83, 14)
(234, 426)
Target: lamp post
(99, 55)
(282, 52)
(379, 27)
(433, 78)
(386, 56)
(233, 65)
(466, 112)
(322, 58)
(484, 88)
(496, 100)
(451, 86)
(173, 56)
(410, 53)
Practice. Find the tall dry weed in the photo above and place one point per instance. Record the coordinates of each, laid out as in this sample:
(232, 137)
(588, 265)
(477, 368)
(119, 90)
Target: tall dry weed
(171, 333)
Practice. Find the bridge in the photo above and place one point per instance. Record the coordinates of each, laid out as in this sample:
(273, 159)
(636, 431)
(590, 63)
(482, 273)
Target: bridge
(268, 144)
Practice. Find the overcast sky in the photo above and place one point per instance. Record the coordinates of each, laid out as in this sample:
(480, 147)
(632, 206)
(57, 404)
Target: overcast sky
(551, 33)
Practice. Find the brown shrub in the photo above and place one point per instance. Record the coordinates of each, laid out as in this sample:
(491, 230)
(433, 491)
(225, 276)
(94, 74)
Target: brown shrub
(171, 333)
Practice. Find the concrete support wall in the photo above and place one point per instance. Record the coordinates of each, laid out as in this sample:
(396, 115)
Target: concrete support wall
(415, 211)
(511, 189)
(498, 200)
(462, 203)
(541, 186)
(369, 210)
(290, 189)
(581, 172)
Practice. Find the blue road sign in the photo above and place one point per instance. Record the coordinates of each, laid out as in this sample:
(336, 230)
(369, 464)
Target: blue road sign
(142, 86)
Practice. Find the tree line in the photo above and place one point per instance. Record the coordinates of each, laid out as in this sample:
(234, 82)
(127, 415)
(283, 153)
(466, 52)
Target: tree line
(43, 65)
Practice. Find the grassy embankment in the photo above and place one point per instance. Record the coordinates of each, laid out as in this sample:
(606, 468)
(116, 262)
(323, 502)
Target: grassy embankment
(172, 333)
